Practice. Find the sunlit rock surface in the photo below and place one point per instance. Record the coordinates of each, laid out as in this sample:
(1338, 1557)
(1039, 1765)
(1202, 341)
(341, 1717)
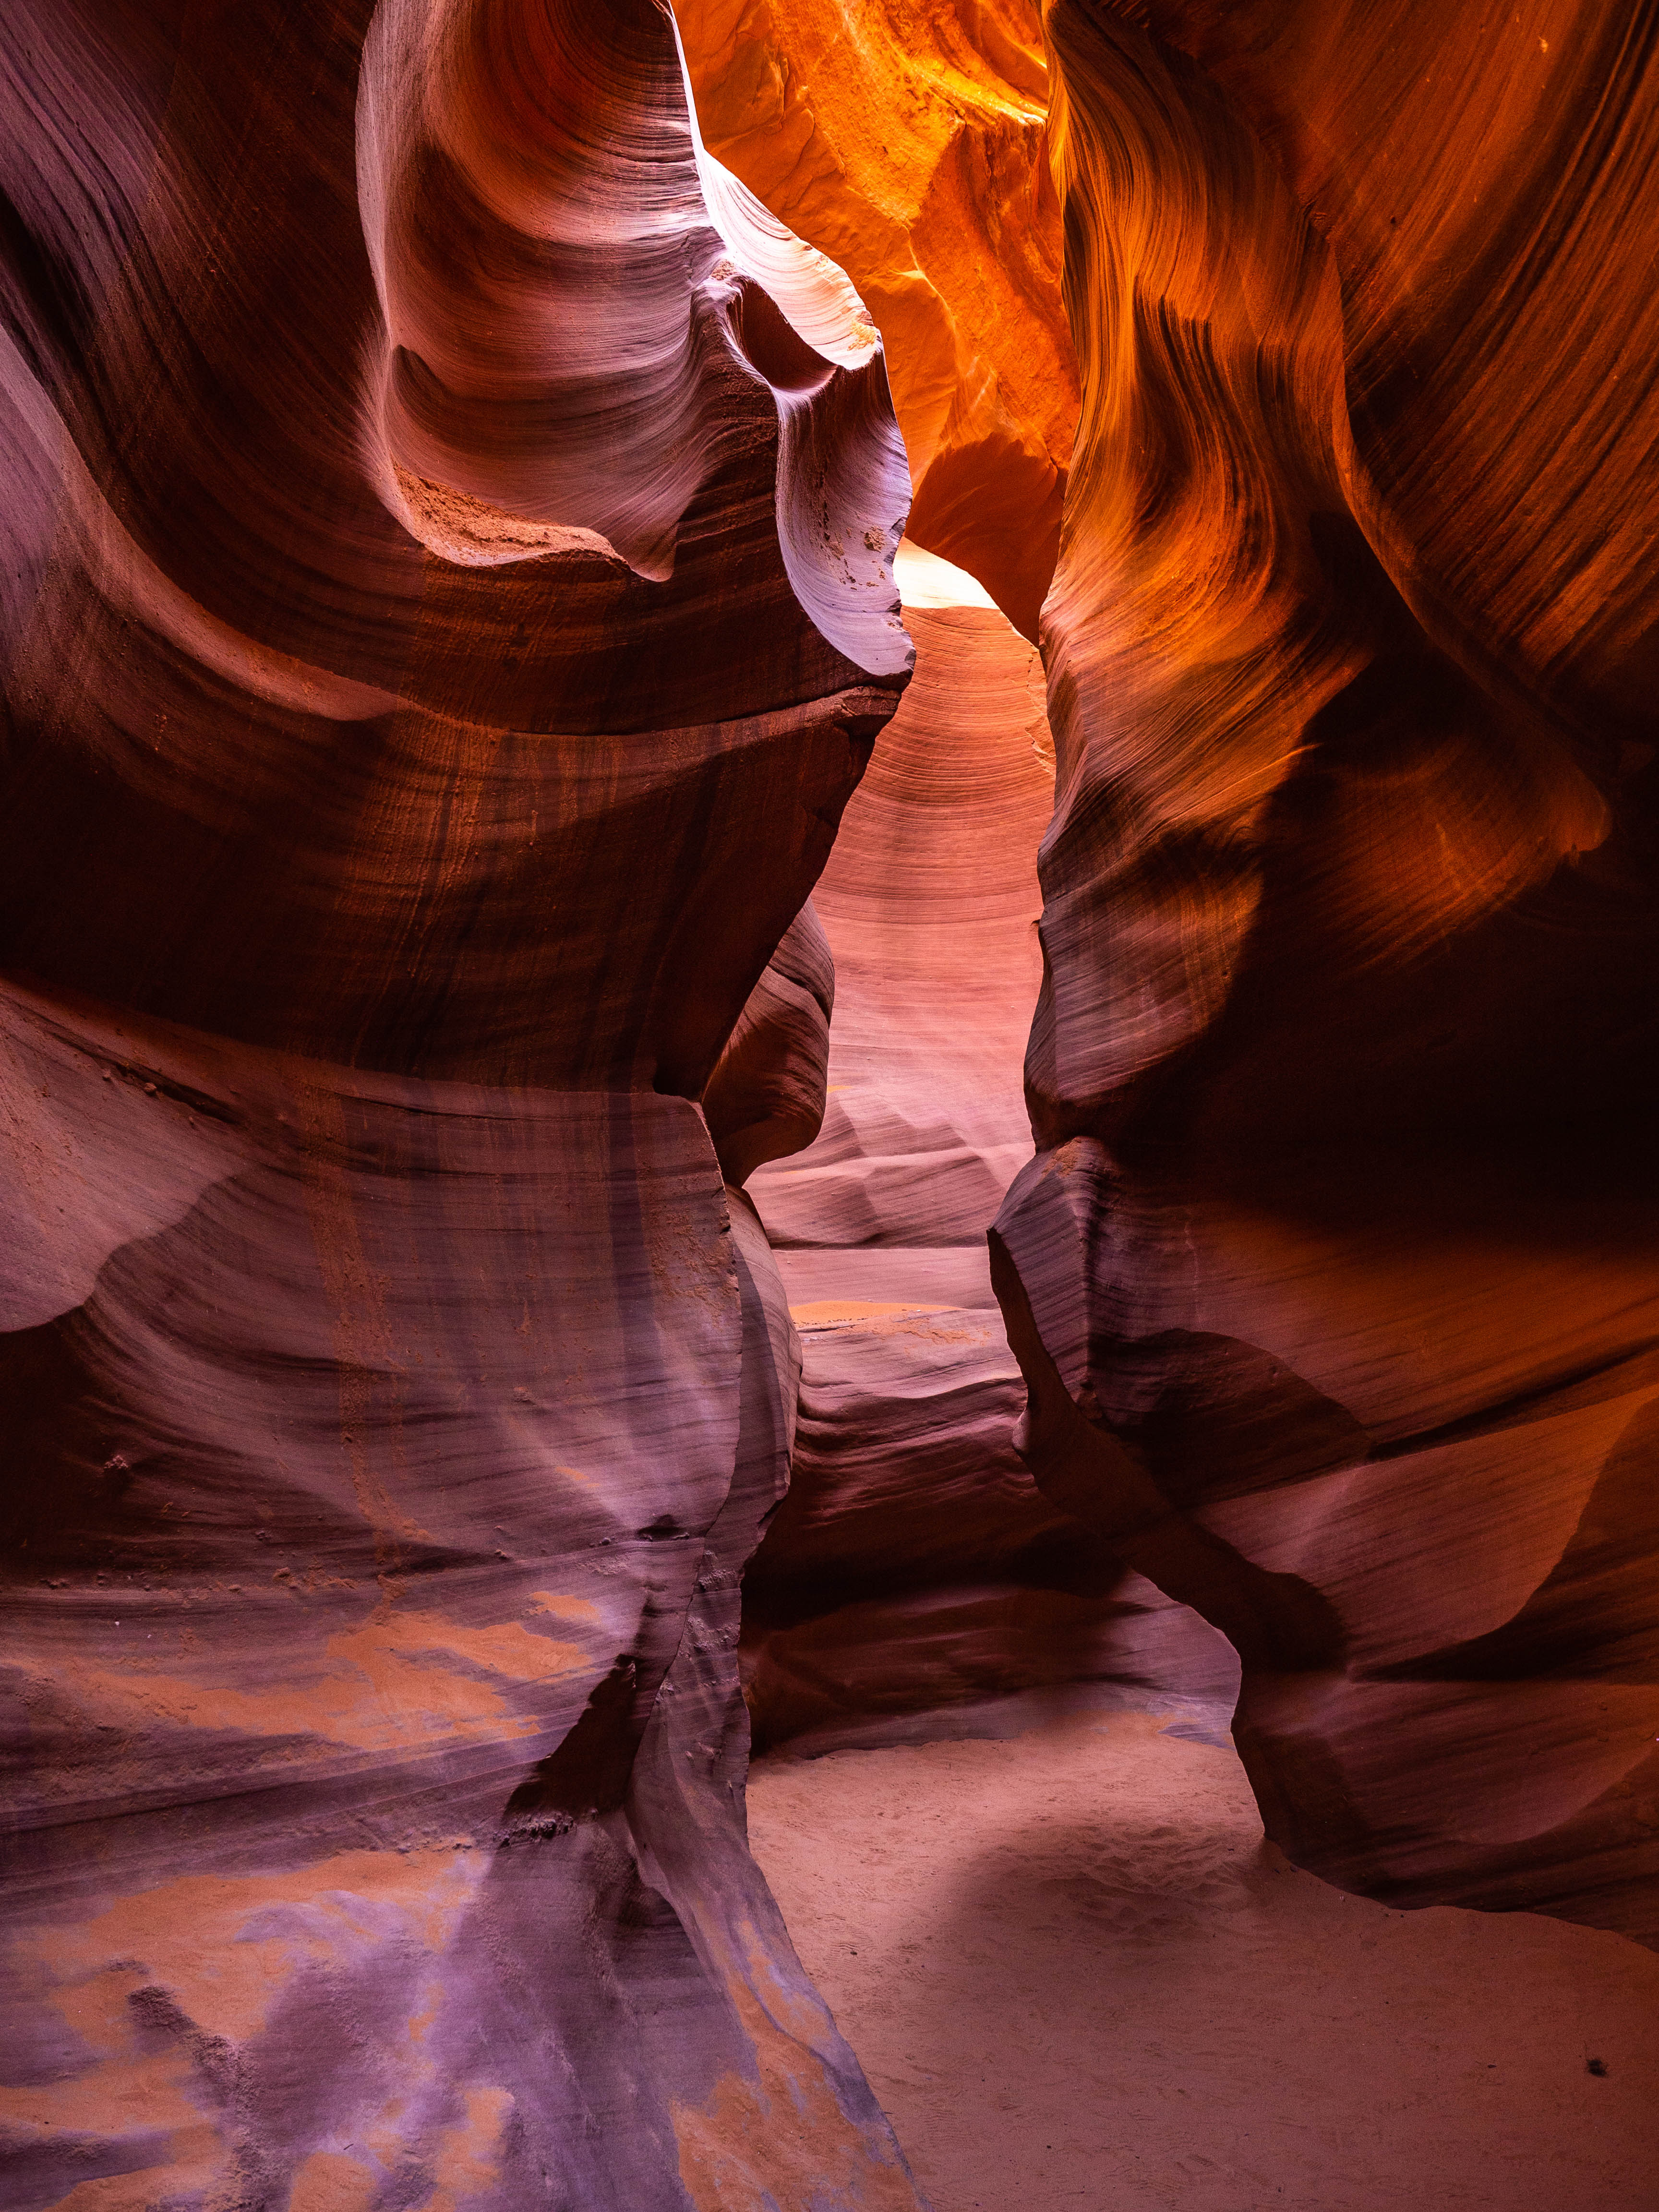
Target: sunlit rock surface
(1335, 1279)
(446, 605)
(450, 502)
(907, 142)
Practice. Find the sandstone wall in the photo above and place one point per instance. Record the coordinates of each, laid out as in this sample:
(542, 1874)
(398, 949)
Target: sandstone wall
(1333, 1279)
(418, 741)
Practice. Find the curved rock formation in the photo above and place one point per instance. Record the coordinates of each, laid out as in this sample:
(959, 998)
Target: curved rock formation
(451, 500)
(912, 1579)
(447, 606)
(766, 1097)
(907, 143)
(1334, 1280)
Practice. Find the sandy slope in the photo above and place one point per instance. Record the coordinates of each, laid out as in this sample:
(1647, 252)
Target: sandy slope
(1077, 1978)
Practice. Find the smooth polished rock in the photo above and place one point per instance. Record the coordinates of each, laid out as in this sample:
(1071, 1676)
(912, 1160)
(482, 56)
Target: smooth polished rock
(436, 574)
(1333, 1282)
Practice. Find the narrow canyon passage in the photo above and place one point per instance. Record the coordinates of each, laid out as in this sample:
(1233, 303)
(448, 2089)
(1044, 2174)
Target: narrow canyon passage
(913, 1568)
(482, 680)
(996, 1797)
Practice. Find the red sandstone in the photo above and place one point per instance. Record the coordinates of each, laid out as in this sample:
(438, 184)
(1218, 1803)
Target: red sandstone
(486, 933)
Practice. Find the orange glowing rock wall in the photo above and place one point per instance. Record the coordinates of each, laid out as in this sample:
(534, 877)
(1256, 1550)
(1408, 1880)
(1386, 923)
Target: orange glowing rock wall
(1331, 1280)
(906, 142)
(447, 605)
(1335, 1279)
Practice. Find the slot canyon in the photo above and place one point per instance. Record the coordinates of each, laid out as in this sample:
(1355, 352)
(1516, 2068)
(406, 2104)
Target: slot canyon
(828, 991)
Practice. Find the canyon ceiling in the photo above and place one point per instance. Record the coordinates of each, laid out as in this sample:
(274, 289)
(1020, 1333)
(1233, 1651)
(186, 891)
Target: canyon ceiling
(499, 903)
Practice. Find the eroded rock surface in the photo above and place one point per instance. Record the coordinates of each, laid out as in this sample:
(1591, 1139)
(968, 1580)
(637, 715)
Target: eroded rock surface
(1334, 1280)
(450, 500)
(914, 1580)
(908, 142)
(447, 605)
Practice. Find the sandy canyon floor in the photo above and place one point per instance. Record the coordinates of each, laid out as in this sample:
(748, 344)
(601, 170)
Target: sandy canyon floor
(1079, 1981)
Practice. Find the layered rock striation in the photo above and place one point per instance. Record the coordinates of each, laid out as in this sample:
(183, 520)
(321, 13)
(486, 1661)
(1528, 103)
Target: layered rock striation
(913, 1581)
(451, 500)
(1332, 1280)
(446, 605)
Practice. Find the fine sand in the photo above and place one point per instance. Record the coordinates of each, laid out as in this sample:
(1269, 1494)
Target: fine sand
(1079, 1981)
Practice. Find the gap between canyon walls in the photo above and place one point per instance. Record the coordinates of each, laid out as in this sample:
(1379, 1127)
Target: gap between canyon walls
(1332, 1283)
(447, 612)
(914, 1582)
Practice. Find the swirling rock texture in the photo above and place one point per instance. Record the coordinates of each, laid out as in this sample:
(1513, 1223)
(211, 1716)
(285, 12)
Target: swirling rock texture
(447, 605)
(913, 1579)
(450, 497)
(906, 142)
(1334, 1280)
